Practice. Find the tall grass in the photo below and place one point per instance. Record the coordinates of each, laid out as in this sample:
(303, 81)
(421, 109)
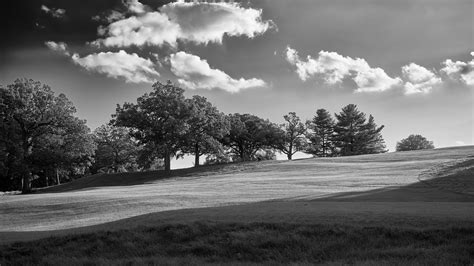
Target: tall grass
(254, 243)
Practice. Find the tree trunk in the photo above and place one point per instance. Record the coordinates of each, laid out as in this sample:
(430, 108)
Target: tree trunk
(57, 177)
(290, 152)
(26, 182)
(196, 154)
(167, 162)
(290, 156)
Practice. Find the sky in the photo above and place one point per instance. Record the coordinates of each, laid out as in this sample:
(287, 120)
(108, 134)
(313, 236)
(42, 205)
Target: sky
(409, 63)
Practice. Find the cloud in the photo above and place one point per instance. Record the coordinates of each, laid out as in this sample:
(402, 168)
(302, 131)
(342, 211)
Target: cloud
(419, 79)
(333, 68)
(195, 73)
(135, 7)
(59, 47)
(131, 67)
(198, 22)
(55, 12)
(460, 143)
(460, 71)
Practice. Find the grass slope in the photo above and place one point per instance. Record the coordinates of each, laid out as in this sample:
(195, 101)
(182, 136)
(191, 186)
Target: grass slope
(399, 208)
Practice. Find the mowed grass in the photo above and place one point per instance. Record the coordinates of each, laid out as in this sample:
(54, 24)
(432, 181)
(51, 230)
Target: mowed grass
(106, 198)
(412, 208)
(251, 243)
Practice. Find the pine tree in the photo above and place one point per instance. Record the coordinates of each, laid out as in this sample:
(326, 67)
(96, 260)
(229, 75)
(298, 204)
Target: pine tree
(353, 135)
(322, 127)
(373, 140)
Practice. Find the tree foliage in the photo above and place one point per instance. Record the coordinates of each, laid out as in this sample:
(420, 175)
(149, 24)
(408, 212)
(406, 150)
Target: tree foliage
(117, 150)
(414, 142)
(354, 135)
(320, 134)
(206, 127)
(292, 135)
(159, 117)
(249, 134)
(36, 123)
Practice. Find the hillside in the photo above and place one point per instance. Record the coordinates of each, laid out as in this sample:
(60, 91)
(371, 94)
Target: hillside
(98, 199)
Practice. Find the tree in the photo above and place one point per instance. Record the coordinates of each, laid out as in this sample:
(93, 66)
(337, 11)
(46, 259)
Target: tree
(206, 127)
(292, 134)
(372, 138)
(353, 136)
(116, 149)
(321, 129)
(414, 142)
(29, 112)
(159, 117)
(248, 134)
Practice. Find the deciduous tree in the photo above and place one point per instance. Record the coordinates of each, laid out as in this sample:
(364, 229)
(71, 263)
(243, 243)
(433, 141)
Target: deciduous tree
(414, 142)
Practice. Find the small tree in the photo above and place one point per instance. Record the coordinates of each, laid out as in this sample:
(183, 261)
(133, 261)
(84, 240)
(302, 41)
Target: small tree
(414, 142)
(292, 134)
(321, 129)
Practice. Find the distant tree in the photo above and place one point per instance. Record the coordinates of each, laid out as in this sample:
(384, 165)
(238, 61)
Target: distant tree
(160, 118)
(30, 111)
(321, 130)
(353, 136)
(414, 142)
(292, 137)
(248, 134)
(116, 150)
(206, 127)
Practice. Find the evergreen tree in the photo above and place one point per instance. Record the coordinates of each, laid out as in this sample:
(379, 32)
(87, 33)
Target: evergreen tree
(354, 136)
(320, 137)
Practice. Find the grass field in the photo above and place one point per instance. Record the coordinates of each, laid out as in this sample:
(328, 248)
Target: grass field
(396, 208)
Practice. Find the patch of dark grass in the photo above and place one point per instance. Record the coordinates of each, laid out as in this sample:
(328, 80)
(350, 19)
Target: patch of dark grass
(254, 243)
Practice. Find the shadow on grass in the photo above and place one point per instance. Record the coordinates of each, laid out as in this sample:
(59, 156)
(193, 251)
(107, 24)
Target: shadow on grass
(240, 243)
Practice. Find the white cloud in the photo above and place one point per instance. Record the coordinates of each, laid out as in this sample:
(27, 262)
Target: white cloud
(460, 143)
(419, 79)
(195, 73)
(131, 67)
(55, 12)
(135, 6)
(59, 47)
(198, 22)
(460, 70)
(334, 68)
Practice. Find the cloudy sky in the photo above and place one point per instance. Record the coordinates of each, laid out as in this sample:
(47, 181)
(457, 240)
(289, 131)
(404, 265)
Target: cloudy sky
(409, 63)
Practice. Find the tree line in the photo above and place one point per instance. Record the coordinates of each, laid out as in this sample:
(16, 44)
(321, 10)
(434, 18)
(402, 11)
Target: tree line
(44, 143)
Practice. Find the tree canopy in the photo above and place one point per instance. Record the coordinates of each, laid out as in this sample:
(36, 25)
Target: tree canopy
(414, 142)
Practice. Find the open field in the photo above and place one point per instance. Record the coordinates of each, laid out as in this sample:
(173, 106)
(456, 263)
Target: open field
(397, 208)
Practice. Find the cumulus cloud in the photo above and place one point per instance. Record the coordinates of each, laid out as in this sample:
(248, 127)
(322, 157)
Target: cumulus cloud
(195, 73)
(333, 68)
(460, 71)
(131, 67)
(198, 22)
(59, 47)
(55, 12)
(135, 7)
(419, 79)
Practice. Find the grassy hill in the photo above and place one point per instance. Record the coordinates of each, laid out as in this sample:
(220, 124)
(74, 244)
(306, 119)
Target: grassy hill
(414, 207)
